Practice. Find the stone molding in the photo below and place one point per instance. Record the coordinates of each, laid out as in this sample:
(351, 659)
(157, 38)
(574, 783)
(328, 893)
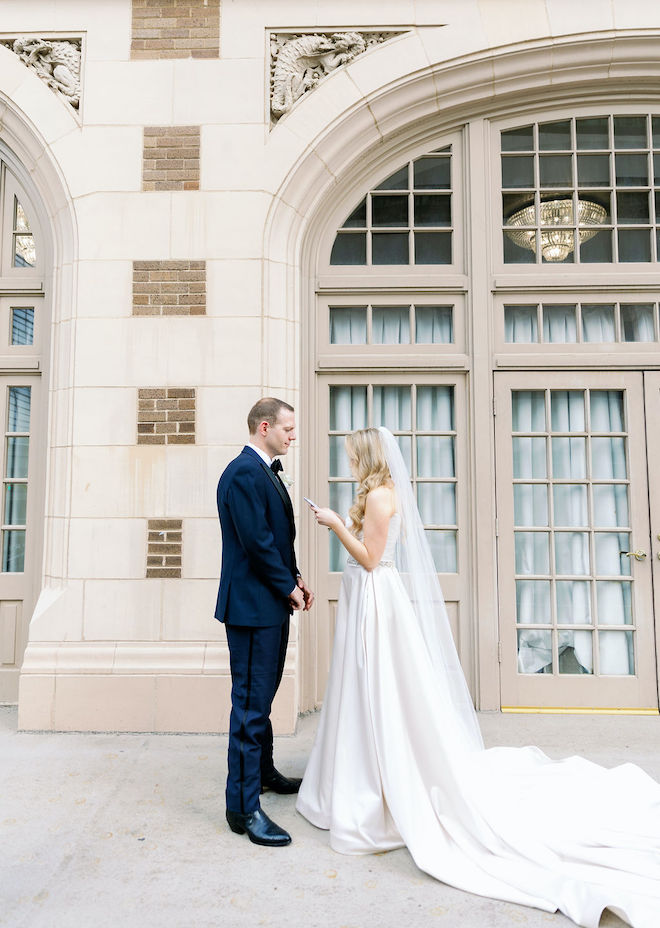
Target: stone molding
(300, 60)
(56, 61)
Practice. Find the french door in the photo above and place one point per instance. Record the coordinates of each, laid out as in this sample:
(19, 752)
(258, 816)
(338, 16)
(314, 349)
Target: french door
(575, 563)
(20, 505)
(427, 414)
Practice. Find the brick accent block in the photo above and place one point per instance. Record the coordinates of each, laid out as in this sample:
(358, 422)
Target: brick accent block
(164, 548)
(170, 158)
(169, 288)
(166, 416)
(176, 29)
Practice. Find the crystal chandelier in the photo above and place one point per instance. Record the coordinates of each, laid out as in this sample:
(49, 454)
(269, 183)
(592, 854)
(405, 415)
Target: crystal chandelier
(556, 242)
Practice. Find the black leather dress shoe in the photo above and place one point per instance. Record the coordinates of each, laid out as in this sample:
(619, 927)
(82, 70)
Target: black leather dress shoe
(278, 783)
(260, 829)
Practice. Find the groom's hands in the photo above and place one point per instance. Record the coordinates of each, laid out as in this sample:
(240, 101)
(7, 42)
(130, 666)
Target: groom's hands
(308, 596)
(296, 598)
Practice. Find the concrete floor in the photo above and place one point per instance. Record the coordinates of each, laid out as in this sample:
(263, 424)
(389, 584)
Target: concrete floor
(128, 831)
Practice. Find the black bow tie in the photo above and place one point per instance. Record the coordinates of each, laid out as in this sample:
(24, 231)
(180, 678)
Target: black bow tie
(276, 466)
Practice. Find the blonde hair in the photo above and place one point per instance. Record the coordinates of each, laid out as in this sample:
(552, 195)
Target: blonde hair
(366, 448)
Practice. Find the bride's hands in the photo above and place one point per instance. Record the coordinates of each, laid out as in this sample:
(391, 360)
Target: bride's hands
(327, 517)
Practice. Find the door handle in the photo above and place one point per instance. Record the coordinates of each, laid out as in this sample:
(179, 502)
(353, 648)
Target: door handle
(638, 555)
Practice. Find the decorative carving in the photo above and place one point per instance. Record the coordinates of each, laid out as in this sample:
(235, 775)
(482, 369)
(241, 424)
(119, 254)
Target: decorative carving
(56, 61)
(300, 60)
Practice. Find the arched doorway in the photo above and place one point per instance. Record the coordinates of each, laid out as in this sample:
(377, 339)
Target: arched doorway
(24, 352)
(348, 367)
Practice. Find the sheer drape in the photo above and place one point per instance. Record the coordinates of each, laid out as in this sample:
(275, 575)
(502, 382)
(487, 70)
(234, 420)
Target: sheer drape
(565, 551)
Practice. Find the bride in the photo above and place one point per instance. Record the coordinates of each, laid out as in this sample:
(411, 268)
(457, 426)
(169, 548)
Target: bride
(398, 757)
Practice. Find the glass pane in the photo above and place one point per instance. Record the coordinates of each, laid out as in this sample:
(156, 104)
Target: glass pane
(555, 136)
(534, 650)
(656, 131)
(573, 602)
(570, 504)
(389, 211)
(637, 322)
(434, 325)
(519, 139)
(339, 466)
(433, 248)
(634, 245)
(632, 208)
(15, 503)
(567, 410)
(614, 600)
(598, 323)
(348, 325)
(517, 171)
(533, 602)
(528, 410)
(532, 553)
(348, 408)
(597, 250)
(611, 550)
(559, 324)
(521, 324)
(21, 223)
(516, 254)
(435, 456)
(19, 409)
(593, 170)
(630, 132)
(396, 181)
(632, 170)
(530, 504)
(606, 408)
(341, 497)
(569, 458)
(22, 325)
(435, 409)
(390, 325)
(572, 553)
(358, 218)
(25, 252)
(592, 133)
(437, 503)
(392, 407)
(13, 552)
(389, 248)
(608, 459)
(611, 505)
(575, 652)
(349, 248)
(555, 171)
(432, 173)
(529, 460)
(432, 210)
(443, 548)
(17, 457)
(616, 653)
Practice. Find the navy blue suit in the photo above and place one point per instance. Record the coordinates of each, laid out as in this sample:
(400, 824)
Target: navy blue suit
(258, 574)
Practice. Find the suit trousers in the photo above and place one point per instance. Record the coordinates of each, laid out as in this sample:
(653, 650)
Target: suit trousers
(257, 662)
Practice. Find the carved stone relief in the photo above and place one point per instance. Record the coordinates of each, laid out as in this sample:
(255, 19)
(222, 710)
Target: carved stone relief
(298, 61)
(56, 61)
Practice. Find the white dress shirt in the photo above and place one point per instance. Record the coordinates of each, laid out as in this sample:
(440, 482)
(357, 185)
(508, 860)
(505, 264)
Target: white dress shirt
(262, 454)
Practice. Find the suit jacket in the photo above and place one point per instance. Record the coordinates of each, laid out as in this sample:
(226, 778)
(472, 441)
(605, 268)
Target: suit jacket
(258, 560)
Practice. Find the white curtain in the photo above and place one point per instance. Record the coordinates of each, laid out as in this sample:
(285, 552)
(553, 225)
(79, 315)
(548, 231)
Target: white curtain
(637, 323)
(567, 548)
(348, 325)
(434, 325)
(598, 323)
(521, 325)
(559, 324)
(390, 325)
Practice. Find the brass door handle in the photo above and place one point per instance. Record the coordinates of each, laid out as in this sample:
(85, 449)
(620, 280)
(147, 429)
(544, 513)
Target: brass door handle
(638, 555)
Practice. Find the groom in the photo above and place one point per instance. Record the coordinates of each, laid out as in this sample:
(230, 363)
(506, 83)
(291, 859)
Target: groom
(259, 587)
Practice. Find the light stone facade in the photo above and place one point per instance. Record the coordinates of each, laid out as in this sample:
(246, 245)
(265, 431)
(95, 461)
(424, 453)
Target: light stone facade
(110, 648)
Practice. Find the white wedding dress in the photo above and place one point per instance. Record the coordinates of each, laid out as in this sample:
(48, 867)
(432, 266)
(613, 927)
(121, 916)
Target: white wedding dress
(391, 767)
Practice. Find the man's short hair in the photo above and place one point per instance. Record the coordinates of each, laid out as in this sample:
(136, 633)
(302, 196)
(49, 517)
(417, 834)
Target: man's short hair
(267, 409)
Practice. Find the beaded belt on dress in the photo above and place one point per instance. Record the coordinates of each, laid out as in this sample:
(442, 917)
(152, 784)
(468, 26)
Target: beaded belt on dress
(354, 563)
